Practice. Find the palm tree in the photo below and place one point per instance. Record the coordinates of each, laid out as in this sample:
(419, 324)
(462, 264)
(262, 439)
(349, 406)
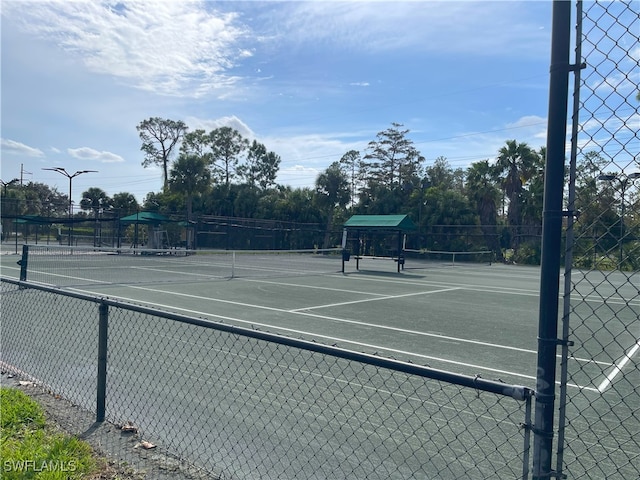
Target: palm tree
(485, 194)
(532, 198)
(97, 200)
(515, 165)
(124, 203)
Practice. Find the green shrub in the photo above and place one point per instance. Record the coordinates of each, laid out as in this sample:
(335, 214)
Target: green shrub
(527, 254)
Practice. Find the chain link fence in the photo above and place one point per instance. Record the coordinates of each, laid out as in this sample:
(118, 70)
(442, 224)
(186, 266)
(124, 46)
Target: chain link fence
(216, 401)
(600, 398)
(219, 401)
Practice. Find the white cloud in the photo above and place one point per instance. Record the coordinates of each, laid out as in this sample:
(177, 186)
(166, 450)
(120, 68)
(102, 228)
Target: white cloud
(298, 176)
(86, 153)
(171, 48)
(531, 126)
(13, 147)
(304, 156)
(617, 82)
(232, 121)
(482, 28)
(527, 121)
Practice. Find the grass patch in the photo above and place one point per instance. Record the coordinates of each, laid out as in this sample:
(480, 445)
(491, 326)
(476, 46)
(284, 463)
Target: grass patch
(31, 450)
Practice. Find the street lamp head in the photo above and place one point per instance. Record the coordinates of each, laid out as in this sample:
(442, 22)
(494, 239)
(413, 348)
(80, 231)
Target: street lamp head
(59, 170)
(80, 172)
(67, 174)
(607, 177)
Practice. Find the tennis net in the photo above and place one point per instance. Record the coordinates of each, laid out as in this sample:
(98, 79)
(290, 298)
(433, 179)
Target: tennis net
(426, 258)
(72, 266)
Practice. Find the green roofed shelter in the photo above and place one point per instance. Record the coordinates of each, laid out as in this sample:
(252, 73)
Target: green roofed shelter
(33, 219)
(384, 224)
(156, 237)
(381, 222)
(145, 218)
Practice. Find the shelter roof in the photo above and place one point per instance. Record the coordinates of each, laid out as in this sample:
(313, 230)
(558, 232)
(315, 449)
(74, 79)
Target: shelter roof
(381, 222)
(145, 217)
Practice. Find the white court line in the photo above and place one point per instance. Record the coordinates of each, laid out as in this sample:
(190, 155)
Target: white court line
(335, 319)
(89, 280)
(338, 339)
(174, 272)
(353, 322)
(467, 286)
(618, 367)
(313, 287)
(388, 297)
(402, 330)
(496, 289)
(301, 311)
(332, 339)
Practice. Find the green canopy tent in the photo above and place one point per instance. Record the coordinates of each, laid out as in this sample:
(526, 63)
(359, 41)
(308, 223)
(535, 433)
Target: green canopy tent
(152, 219)
(145, 218)
(379, 224)
(36, 220)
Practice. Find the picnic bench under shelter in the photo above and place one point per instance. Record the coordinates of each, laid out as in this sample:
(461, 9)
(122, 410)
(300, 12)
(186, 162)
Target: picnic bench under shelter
(395, 225)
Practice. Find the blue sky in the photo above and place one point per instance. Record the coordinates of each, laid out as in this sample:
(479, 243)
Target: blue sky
(310, 80)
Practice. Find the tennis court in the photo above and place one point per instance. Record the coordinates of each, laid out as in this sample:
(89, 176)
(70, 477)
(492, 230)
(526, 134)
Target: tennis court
(473, 319)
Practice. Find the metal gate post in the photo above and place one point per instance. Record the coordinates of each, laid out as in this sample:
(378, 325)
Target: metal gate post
(551, 240)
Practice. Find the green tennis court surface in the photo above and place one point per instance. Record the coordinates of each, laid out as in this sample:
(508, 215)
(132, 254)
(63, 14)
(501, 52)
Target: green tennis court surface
(466, 318)
(476, 319)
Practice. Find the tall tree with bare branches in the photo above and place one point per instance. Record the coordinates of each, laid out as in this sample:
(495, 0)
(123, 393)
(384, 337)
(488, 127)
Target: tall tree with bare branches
(159, 138)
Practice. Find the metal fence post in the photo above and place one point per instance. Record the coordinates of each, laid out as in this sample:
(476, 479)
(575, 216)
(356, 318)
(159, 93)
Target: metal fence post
(551, 240)
(569, 247)
(527, 438)
(101, 389)
(23, 263)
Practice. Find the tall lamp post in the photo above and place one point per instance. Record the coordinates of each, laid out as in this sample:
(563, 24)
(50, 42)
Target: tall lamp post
(624, 183)
(70, 176)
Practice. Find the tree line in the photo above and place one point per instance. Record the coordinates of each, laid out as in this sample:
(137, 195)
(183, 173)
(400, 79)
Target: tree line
(222, 173)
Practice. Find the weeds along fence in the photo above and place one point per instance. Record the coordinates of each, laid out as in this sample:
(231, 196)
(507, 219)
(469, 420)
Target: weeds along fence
(220, 401)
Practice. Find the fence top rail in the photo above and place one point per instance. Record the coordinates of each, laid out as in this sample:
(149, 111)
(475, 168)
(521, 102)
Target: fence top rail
(518, 392)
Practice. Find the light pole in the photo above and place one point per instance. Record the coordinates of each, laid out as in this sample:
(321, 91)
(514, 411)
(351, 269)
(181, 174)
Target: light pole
(624, 182)
(70, 176)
